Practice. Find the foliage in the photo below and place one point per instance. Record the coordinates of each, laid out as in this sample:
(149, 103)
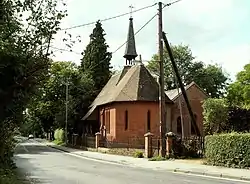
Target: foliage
(56, 134)
(59, 143)
(215, 113)
(138, 154)
(59, 135)
(230, 150)
(24, 50)
(186, 148)
(47, 108)
(31, 125)
(157, 158)
(96, 58)
(7, 143)
(239, 91)
(26, 30)
(211, 78)
(9, 176)
(239, 119)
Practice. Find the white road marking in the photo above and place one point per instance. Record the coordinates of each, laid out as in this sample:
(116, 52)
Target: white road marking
(212, 177)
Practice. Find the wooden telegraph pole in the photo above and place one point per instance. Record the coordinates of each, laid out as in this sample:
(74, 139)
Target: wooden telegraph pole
(161, 86)
(66, 112)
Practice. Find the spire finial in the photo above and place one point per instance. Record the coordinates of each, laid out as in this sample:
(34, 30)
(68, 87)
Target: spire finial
(130, 52)
(131, 10)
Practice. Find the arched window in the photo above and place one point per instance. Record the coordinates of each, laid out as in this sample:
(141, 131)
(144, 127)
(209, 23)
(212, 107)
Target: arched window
(126, 119)
(192, 127)
(148, 121)
(179, 127)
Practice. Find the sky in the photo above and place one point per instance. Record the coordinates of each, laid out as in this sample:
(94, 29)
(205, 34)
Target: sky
(217, 31)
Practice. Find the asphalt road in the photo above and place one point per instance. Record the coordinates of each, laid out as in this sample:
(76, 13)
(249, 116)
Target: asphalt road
(48, 166)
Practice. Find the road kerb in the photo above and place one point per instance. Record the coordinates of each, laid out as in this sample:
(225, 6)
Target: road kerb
(219, 175)
(84, 156)
(176, 170)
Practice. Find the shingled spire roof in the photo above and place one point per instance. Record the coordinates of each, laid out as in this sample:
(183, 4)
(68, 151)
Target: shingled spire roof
(130, 52)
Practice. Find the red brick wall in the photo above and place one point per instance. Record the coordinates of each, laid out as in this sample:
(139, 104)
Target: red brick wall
(195, 97)
(137, 119)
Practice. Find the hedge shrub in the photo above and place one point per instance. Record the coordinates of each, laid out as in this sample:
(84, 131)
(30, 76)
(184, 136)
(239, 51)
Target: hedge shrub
(230, 150)
(59, 135)
(56, 134)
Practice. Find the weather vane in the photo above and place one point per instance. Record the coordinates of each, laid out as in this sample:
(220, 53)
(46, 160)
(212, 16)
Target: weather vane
(131, 10)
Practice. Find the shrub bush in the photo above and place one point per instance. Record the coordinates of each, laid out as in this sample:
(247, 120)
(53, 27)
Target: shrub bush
(230, 150)
(157, 158)
(59, 135)
(138, 154)
(185, 148)
(56, 134)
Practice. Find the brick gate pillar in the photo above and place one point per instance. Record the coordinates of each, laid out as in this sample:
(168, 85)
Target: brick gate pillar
(97, 139)
(169, 143)
(148, 145)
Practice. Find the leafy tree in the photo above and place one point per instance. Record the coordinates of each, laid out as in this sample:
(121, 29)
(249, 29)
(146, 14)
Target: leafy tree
(24, 50)
(96, 58)
(26, 30)
(239, 119)
(48, 106)
(215, 116)
(239, 91)
(211, 78)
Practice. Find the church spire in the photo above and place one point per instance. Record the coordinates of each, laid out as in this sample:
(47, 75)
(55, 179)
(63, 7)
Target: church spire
(130, 52)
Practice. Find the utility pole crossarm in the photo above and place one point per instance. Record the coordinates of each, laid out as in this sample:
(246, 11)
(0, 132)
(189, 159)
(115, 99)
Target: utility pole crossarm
(193, 121)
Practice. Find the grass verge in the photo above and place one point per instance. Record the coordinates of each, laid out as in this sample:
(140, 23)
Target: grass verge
(8, 176)
(157, 158)
(59, 143)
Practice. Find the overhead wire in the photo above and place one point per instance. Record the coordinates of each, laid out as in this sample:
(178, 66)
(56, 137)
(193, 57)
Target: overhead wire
(171, 3)
(127, 40)
(110, 18)
(165, 5)
(60, 49)
(136, 33)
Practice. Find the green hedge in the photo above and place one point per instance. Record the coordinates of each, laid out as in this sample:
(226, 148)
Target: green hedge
(230, 150)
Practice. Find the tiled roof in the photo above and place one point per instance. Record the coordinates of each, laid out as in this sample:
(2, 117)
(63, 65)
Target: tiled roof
(134, 83)
(173, 94)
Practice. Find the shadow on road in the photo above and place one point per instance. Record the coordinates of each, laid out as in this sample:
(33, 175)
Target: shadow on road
(29, 147)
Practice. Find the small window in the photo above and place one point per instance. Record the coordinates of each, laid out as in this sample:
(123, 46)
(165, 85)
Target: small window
(192, 127)
(179, 127)
(107, 122)
(126, 120)
(148, 121)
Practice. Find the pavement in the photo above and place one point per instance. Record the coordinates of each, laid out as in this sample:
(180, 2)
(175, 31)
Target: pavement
(170, 165)
(44, 164)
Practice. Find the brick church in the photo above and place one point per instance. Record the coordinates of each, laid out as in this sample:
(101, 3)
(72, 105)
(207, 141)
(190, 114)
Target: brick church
(128, 105)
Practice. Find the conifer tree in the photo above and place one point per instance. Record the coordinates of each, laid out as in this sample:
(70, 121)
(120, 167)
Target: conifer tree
(96, 58)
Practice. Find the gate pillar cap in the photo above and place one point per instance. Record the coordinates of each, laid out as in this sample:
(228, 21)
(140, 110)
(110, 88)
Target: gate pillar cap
(148, 134)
